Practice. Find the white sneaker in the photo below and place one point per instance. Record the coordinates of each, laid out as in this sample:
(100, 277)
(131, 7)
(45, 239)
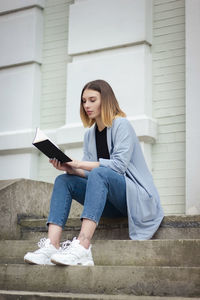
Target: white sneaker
(43, 255)
(74, 254)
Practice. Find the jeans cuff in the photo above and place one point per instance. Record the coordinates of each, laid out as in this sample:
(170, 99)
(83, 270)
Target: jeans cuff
(55, 223)
(89, 218)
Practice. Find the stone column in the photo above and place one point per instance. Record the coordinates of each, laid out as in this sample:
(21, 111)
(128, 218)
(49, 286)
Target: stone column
(21, 34)
(192, 107)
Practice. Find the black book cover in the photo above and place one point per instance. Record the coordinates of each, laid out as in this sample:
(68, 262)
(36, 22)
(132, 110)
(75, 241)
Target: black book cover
(49, 148)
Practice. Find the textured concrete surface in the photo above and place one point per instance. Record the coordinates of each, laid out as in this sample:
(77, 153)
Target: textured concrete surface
(5, 183)
(130, 280)
(15, 295)
(172, 227)
(127, 253)
(107, 228)
(21, 197)
(24, 197)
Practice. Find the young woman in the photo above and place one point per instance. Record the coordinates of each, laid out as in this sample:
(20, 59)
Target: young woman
(112, 180)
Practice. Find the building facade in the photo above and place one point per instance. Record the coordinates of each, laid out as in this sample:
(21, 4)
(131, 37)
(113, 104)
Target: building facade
(148, 50)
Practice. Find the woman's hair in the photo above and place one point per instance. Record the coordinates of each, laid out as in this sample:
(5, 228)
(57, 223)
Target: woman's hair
(109, 105)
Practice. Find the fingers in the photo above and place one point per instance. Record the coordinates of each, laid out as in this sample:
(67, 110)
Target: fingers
(62, 167)
(55, 163)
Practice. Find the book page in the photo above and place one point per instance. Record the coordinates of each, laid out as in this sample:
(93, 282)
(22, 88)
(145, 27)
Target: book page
(41, 136)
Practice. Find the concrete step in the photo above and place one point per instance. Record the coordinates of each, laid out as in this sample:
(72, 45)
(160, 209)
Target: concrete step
(172, 227)
(121, 252)
(21, 196)
(22, 295)
(129, 280)
(34, 228)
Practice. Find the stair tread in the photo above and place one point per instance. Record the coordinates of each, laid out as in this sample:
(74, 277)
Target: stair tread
(136, 280)
(172, 227)
(168, 221)
(49, 267)
(79, 296)
(120, 252)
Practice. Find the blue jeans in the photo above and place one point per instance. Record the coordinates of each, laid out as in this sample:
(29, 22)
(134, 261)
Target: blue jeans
(103, 193)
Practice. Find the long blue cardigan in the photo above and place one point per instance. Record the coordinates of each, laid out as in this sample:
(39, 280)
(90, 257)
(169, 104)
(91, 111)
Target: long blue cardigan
(126, 157)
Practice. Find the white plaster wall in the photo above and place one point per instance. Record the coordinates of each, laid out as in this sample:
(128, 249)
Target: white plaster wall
(21, 37)
(20, 95)
(192, 106)
(18, 165)
(125, 69)
(95, 24)
(21, 34)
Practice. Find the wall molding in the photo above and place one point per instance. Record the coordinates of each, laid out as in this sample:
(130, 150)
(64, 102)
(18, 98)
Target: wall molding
(8, 7)
(71, 135)
(107, 49)
(20, 64)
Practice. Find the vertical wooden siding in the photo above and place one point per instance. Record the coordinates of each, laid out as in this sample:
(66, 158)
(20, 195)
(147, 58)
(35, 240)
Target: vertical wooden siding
(54, 77)
(169, 103)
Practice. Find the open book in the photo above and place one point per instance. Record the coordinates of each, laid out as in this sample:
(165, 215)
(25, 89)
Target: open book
(46, 146)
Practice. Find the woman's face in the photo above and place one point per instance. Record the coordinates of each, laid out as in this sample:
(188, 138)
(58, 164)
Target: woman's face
(92, 103)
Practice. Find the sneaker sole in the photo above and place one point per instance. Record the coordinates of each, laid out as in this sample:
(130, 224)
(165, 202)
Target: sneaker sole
(67, 264)
(35, 263)
(30, 262)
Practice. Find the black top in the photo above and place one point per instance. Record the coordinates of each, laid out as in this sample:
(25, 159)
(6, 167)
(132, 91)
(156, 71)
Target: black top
(101, 143)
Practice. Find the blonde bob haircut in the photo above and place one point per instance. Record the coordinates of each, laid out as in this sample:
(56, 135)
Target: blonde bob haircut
(109, 105)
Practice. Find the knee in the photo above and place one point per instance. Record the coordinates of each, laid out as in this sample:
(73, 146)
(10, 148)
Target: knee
(60, 179)
(101, 172)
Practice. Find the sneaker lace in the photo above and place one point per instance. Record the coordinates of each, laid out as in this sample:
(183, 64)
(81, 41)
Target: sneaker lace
(43, 243)
(65, 245)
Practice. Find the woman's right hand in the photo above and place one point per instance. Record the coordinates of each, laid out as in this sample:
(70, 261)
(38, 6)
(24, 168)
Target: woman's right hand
(62, 167)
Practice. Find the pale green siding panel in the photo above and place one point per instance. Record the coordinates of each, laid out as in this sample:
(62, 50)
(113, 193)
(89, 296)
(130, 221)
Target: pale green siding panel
(168, 154)
(172, 119)
(169, 13)
(168, 103)
(169, 148)
(160, 2)
(165, 6)
(57, 45)
(164, 95)
(171, 156)
(178, 44)
(54, 77)
(169, 38)
(168, 22)
(169, 78)
(169, 29)
(52, 104)
(164, 165)
(52, 52)
(172, 128)
(55, 3)
(169, 111)
(168, 174)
